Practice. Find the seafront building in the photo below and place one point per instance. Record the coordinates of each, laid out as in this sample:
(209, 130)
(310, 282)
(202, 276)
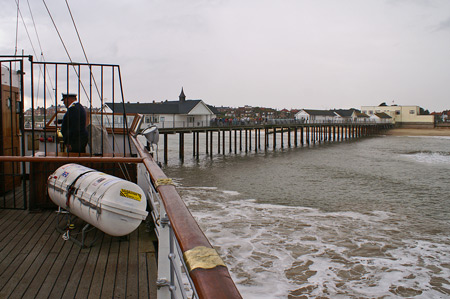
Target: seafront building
(402, 116)
(310, 115)
(381, 117)
(169, 114)
(332, 116)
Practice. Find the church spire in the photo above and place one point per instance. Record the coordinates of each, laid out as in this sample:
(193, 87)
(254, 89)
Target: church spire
(182, 96)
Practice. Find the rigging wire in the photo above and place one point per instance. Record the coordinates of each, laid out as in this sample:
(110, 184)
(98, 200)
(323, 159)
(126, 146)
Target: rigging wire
(17, 28)
(68, 55)
(57, 31)
(93, 77)
(78, 34)
(42, 57)
(26, 28)
(35, 28)
(19, 12)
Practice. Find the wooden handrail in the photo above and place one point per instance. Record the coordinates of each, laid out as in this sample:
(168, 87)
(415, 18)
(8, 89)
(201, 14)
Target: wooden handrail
(209, 283)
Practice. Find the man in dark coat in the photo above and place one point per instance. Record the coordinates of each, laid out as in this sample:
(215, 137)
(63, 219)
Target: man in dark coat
(73, 129)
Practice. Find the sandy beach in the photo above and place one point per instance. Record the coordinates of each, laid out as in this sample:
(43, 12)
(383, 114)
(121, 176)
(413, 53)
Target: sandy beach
(418, 132)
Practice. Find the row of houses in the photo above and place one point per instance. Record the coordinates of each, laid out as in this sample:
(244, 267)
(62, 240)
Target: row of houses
(443, 116)
(196, 113)
(249, 112)
(340, 115)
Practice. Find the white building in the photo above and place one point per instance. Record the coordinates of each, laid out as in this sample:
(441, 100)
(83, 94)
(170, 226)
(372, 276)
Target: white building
(360, 117)
(381, 118)
(405, 116)
(315, 116)
(170, 114)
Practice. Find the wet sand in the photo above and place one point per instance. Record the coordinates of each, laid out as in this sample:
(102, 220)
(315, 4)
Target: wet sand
(418, 132)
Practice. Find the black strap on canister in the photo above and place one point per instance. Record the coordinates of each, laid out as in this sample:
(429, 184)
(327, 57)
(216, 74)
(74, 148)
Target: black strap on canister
(71, 189)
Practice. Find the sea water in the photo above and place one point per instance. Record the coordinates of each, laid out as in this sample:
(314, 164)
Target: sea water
(354, 219)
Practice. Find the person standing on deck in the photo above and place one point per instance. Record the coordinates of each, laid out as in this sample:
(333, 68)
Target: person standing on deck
(73, 129)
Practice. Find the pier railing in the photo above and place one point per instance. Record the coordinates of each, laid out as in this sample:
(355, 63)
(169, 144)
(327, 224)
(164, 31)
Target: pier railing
(175, 227)
(218, 122)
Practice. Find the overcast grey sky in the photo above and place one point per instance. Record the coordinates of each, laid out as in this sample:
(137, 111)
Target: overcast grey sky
(318, 54)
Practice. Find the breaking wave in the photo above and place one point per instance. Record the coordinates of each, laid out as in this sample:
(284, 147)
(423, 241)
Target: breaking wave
(428, 157)
(275, 251)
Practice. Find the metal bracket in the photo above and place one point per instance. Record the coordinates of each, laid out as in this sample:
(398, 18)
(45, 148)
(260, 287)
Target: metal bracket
(164, 221)
(163, 182)
(163, 282)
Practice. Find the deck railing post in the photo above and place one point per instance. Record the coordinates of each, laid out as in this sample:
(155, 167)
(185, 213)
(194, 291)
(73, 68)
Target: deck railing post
(181, 145)
(256, 140)
(206, 142)
(274, 132)
(235, 141)
(163, 282)
(193, 143)
(211, 143)
(165, 149)
(229, 140)
(223, 142)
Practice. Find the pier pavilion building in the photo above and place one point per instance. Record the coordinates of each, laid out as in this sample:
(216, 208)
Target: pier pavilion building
(170, 114)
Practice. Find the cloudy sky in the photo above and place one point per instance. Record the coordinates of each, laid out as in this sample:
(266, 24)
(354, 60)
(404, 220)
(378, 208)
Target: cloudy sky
(318, 54)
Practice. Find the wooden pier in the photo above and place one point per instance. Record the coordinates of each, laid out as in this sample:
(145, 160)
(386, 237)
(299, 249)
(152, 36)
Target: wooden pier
(36, 262)
(266, 137)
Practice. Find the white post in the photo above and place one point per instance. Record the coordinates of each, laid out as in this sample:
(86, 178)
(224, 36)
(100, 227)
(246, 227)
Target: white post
(163, 282)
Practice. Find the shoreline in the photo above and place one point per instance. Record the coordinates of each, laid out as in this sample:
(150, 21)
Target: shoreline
(418, 132)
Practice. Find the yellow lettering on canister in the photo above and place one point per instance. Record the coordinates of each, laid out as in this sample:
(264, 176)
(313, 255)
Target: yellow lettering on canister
(130, 194)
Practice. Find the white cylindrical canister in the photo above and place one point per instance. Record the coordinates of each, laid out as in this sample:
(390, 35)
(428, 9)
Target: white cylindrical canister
(113, 205)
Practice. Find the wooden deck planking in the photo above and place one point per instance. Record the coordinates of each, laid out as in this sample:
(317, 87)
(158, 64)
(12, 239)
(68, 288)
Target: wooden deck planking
(41, 266)
(78, 269)
(17, 238)
(110, 273)
(4, 216)
(147, 261)
(120, 289)
(36, 262)
(99, 273)
(67, 266)
(13, 199)
(88, 271)
(23, 261)
(133, 270)
(50, 280)
(12, 227)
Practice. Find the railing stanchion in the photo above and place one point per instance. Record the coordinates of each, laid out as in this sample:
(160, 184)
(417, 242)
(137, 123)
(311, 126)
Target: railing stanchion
(163, 282)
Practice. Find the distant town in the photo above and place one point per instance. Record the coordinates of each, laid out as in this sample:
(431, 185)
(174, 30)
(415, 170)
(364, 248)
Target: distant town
(184, 113)
(244, 113)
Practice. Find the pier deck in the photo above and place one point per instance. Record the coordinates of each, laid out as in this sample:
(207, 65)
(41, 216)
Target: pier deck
(36, 262)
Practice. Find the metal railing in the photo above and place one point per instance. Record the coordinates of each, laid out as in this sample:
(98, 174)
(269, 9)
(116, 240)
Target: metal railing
(239, 122)
(179, 240)
(173, 281)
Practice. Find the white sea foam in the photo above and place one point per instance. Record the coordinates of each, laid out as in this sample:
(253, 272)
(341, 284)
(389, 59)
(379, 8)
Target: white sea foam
(232, 193)
(274, 251)
(429, 137)
(429, 157)
(198, 188)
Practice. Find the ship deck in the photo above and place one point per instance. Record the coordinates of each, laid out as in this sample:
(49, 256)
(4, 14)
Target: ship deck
(36, 262)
